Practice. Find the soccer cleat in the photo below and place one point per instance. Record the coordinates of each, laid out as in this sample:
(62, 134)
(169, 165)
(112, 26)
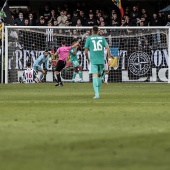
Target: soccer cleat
(59, 84)
(96, 97)
(81, 81)
(105, 82)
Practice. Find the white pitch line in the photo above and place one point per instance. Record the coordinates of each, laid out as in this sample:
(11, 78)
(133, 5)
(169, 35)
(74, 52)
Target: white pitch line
(80, 102)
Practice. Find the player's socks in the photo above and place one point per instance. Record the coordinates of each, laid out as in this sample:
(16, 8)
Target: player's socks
(41, 76)
(103, 76)
(100, 83)
(58, 78)
(59, 82)
(80, 74)
(96, 86)
(74, 75)
(106, 78)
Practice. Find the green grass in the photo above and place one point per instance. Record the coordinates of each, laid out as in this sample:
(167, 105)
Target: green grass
(47, 128)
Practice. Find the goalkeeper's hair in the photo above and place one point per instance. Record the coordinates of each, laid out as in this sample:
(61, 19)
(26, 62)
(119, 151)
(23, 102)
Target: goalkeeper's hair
(46, 51)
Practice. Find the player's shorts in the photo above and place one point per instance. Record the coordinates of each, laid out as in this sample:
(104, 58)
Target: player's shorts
(75, 63)
(37, 68)
(96, 68)
(60, 65)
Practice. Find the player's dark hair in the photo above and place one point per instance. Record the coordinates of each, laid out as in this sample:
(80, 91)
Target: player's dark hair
(28, 64)
(95, 29)
(63, 42)
(74, 40)
(46, 51)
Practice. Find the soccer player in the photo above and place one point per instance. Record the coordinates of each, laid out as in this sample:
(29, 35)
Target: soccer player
(75, 62)
(42, 59)
(29, 75)
(106, 68)
(96, 44)
(63, 53)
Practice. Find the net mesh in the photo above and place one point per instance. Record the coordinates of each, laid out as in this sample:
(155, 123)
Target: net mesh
(141, 55)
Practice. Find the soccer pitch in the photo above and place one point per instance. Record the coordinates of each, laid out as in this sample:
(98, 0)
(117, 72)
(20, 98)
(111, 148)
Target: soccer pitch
(43, 127)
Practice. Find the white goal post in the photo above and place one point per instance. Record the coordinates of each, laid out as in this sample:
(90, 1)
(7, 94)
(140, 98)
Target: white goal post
(2, 52)
(141, 53)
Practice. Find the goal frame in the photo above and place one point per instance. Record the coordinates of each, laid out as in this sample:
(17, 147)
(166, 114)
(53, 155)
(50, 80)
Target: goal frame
(71, 28)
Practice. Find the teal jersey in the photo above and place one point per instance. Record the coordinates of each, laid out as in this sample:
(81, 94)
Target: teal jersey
(72, 56)
(96, 44)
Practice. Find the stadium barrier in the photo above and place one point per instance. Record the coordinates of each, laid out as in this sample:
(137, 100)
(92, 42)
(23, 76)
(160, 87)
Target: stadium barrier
(141, 53)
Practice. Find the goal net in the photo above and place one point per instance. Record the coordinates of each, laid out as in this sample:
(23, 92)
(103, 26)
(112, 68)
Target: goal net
(140, 53)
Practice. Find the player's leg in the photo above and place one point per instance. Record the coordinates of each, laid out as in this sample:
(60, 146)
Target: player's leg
(106, 77)
(74, 74)
(103, 76)
(94, 71)
(100, 71)
(59, 67)
(38, 68)
(59, 83)
(106, 68)
(105, 73)
(42, 75)
(80, 73)
(76, 66)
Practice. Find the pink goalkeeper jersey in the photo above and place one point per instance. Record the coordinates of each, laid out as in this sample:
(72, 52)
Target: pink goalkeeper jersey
(64, 52)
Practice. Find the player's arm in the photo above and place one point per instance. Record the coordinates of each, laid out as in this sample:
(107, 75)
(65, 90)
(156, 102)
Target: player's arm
(108, 52)
(56, 55)
(38, 60)
(87, 54)
(74, 52)
(76, 44)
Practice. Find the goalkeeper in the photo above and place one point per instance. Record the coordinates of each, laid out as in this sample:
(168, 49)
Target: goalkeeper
(42, 59)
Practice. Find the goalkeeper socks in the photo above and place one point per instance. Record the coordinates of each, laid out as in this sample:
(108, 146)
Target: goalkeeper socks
(41, 76)
(59, 78)
(96, 86)
(74, 75)
(80, 74)
(106, 78)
